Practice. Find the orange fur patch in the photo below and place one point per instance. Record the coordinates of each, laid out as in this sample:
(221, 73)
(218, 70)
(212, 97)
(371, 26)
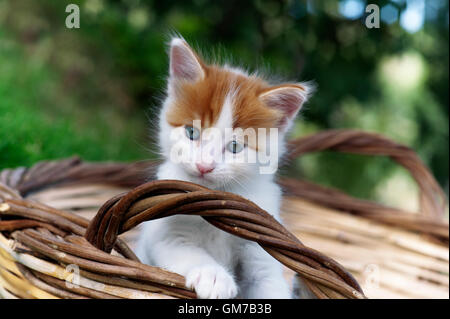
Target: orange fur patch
(203, 100)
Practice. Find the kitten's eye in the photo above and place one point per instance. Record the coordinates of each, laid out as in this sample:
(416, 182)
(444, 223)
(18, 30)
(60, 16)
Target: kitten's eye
(192, 133)
(235, 147)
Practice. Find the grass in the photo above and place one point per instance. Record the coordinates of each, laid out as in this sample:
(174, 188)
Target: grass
(40, 119)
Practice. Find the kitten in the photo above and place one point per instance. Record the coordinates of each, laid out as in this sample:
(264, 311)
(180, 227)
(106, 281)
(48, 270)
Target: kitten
(202, 101)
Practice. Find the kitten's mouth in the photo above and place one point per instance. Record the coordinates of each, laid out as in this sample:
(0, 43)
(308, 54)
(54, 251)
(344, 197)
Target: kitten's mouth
(203, 176)
(202, 179)
(199, 176)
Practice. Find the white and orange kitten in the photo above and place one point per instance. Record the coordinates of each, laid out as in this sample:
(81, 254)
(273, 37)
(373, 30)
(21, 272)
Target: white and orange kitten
(203, 100)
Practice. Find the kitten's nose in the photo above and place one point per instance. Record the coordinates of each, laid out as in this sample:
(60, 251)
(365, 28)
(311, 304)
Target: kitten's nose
(205, 168)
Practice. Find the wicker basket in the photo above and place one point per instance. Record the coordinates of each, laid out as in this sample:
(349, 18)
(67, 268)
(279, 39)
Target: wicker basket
(52, 246)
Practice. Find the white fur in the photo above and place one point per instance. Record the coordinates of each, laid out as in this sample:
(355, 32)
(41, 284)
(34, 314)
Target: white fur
(215, 264)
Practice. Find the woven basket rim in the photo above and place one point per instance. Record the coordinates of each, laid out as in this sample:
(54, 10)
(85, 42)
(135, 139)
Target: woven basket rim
(154, 282)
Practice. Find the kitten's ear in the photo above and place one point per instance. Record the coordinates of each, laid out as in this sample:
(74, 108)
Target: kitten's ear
(288, 100)
(184, 62)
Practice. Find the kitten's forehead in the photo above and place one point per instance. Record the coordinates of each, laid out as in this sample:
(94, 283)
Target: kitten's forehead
(225, 98)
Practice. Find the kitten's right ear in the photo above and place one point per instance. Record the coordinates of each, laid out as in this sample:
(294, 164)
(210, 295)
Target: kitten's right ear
(184, 62)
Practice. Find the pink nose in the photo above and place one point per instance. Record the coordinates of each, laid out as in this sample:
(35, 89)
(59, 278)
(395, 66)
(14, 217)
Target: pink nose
(204, 168)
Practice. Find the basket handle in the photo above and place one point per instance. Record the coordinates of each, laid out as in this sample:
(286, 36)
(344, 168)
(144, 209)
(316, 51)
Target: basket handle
(229, 212)
(432, 198)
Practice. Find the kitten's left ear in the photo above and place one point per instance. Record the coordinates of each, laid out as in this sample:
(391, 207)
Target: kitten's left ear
(288, 100)
(184, 62)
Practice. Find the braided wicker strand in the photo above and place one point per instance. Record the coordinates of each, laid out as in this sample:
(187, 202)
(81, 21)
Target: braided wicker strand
(433, 201)
(228, 212)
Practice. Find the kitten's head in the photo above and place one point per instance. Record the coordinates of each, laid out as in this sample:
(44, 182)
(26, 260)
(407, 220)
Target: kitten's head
(220, 126)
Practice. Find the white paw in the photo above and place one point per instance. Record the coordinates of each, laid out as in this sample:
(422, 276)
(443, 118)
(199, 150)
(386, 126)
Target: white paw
(211, 282)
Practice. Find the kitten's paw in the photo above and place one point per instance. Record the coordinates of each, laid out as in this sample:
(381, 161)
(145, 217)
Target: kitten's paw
(211, 282)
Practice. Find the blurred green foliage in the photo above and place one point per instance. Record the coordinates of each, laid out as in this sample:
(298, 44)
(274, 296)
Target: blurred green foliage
(93, 91)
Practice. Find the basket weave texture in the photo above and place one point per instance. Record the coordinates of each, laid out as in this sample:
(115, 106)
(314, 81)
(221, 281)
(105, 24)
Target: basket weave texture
(42, 246)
